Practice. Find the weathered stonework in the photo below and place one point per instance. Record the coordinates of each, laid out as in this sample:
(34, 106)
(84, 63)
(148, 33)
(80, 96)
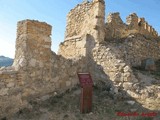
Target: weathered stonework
(112, 54)
(87, 18)
(115, 28)
(36, 70)
(108, 51)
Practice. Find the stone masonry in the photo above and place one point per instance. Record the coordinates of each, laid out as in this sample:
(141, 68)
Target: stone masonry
(85, 18)
(115, 28)
(117, 48)
(107, 50)
(36, 71)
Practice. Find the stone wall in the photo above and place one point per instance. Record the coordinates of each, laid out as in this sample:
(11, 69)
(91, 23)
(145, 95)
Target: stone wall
(76, 19)
(37, 71)
(137, 48)
(87, 18)
(73, 47)
(115, 28)
(116, 57)
(126, 45)
(111, 66)
(10, 91)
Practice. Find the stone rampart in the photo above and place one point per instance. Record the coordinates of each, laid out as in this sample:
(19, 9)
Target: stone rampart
(115, 28)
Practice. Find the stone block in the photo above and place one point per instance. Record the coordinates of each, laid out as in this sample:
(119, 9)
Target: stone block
(127, 85)
(4, 91)
(68, 83)
(11, 84)
(32, 62)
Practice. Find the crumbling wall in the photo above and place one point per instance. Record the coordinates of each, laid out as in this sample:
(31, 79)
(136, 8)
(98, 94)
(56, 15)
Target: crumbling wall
(76, 19)
(37, 71)
(126, 45)
(11, 87)
(85, 19)
(116, 71)
(137, 48)
(73, 47)
(115, 28)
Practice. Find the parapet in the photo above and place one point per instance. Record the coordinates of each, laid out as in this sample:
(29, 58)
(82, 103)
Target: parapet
(115, 28)
(114, 18)
(132, 20)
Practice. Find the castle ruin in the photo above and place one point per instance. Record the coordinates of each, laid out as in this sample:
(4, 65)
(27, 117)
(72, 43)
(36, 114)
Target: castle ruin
(108, 50)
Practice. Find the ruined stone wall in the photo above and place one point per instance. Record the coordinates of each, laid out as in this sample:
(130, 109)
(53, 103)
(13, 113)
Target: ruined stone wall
(37, 71)
(10, 91)
(137, 48)
(123, 82)
(85, 19)
(76, 19)
(115, 28)
(112, 61)
(73, 47)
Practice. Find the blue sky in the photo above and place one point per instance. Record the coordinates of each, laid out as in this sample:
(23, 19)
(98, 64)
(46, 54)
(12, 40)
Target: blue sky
(54, 13)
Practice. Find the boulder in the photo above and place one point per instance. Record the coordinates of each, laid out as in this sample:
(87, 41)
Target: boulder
(148, 64)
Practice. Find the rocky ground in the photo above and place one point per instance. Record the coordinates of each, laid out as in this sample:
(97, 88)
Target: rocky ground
(66, 107)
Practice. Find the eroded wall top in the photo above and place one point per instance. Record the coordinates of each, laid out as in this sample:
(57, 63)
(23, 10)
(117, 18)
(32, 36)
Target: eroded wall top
(33, 42)
(115, 28)
(86, 18)
(89, 18)
(76, 18)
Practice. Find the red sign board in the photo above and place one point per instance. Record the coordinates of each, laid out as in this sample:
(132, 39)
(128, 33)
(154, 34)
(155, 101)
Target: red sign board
(86, 92)
(85, 79)
(86, 99)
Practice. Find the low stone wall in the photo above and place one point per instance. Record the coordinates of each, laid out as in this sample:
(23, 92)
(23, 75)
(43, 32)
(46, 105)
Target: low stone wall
(11, 88)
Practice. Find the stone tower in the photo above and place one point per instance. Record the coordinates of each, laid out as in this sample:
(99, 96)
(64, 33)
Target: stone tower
(85, 26)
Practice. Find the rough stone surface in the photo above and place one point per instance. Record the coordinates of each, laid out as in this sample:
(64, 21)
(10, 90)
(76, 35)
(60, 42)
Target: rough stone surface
(115, 28)
(149, 64)
(37, 70)
(107, 51)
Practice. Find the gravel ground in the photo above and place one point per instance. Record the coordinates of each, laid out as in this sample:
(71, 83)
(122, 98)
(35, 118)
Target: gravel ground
(66, 107)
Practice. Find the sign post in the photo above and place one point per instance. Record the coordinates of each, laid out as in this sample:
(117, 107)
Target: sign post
(86, 92)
